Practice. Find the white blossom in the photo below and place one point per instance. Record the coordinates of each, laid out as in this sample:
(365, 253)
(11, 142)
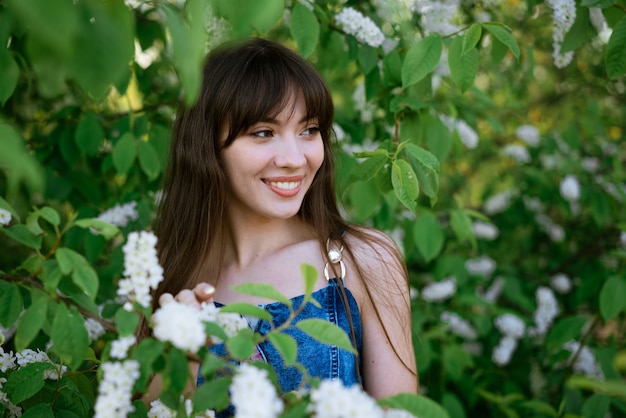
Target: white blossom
(253, 395)
(547, 310)
(115, 389)
(119, 215)
(510, 325)
(119, 347)
(5, 217)
(145, 58)
(159, 410)
(230, 322)
(94, 329)
(484, 230)
(561, 283)
(398, 413)
(332, 400)
(585, 362)
(590, 164)
(563, 15)
(529, 134)
(480, 266)
(570, 188)
(142, 271)
(517, 152)
(180, 324)
(503, 352)
(7, 360)
(28, 356)
(361, 104)
(340, 134)
(533, 204)
(218, 29)
(622, 238)
(597, 19)
(363, 28)
(458, 325)
(499, 202)
(494, 291)
(439, 291)
(436, 16)
(555, 231)
(467, 134)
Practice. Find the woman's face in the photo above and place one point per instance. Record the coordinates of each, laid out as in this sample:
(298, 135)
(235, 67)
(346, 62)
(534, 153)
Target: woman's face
(271, 165)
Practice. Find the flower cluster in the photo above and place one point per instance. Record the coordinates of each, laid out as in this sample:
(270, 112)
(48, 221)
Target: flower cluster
(484, 230)
(119, 347)
(332, 400)
(179, 324)
(28, 356)
(547, 310)
(5, 217)
(467, 134)
(116, 388)
(480, 266)
(436, 16)
(119, 215)
(494, 291)
(439, 291)
(585, 362)
(231, 323)
(570, 188)
(362, 27)
(561, 283)
(142, 271)
(13, 410)
(517, 152)
(563, 15)
(512, 328)
(529, 134)
(94, 329)
(458, 325)
(554, 230)
(159, 410)
(499, 202)
(253, 395)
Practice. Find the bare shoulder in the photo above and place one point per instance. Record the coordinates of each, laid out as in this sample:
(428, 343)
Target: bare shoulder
(377, 256)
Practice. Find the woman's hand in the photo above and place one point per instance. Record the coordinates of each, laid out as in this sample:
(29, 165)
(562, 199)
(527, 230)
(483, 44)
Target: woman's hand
(203, 292)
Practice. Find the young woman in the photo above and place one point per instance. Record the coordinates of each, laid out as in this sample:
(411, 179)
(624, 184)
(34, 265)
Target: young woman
(249, 197)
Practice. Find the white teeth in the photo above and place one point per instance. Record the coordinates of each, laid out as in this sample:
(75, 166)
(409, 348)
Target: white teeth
(284, 185)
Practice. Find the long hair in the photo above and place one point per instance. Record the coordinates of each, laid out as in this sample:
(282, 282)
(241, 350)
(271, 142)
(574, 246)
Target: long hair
(242, 84)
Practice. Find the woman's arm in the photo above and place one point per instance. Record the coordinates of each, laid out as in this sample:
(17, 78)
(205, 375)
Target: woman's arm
(388, 356)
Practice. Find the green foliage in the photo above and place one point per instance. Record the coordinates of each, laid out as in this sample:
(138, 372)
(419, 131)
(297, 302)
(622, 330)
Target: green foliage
(88, 93)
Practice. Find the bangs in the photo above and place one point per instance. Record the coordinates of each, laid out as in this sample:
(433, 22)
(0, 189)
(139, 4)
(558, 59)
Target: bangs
(265, 81)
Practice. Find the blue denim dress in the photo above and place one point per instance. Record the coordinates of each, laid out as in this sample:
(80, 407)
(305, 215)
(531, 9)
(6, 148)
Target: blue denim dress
(321, 360)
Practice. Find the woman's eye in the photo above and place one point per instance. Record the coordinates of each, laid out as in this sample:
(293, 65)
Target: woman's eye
(264, 133)
(313, 130)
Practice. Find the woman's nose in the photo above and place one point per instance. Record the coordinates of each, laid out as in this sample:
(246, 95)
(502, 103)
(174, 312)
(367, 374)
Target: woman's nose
(289, 152)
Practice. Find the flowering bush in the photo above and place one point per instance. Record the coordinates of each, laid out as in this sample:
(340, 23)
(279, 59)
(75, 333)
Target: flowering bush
(485, 137)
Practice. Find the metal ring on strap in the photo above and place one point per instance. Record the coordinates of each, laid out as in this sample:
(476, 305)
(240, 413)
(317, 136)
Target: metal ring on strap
(334, 256)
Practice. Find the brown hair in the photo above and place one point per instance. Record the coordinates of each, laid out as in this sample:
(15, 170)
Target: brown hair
(242, 84)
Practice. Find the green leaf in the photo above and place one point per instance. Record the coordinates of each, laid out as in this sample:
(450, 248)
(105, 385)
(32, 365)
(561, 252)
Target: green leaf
(242, 345)
(603, 4)
(366, 170)
(580, 33)
(50, 215)
(26, 381)
(418, 405)
(104, 47)
(309, 275)
(304, 28)
(463, 65)
(16, 160)
(462, 226)
(405, 185)
(612, 300)
(146, 352)
(53, 23)
(326, 333)
(69, 336)
(105, 229)
(41, 410)
(89, 135)
(564, 330)
(365, 200)
(616, 388)
(83, 274)
(124, 153)
(31, 321)
(23, 235)
(213, 394)
(149, 160)
(426, 169)
(262, 290)
(428, 235)
(286, 346)
(421, 59)
(455, 360)
(126, 322)
(367, 58)
(248, 310)
(615, 59)
(503, 34)
(188, 38)
(177, 371)
(11, 304)
(471, 38)
(10, 72)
